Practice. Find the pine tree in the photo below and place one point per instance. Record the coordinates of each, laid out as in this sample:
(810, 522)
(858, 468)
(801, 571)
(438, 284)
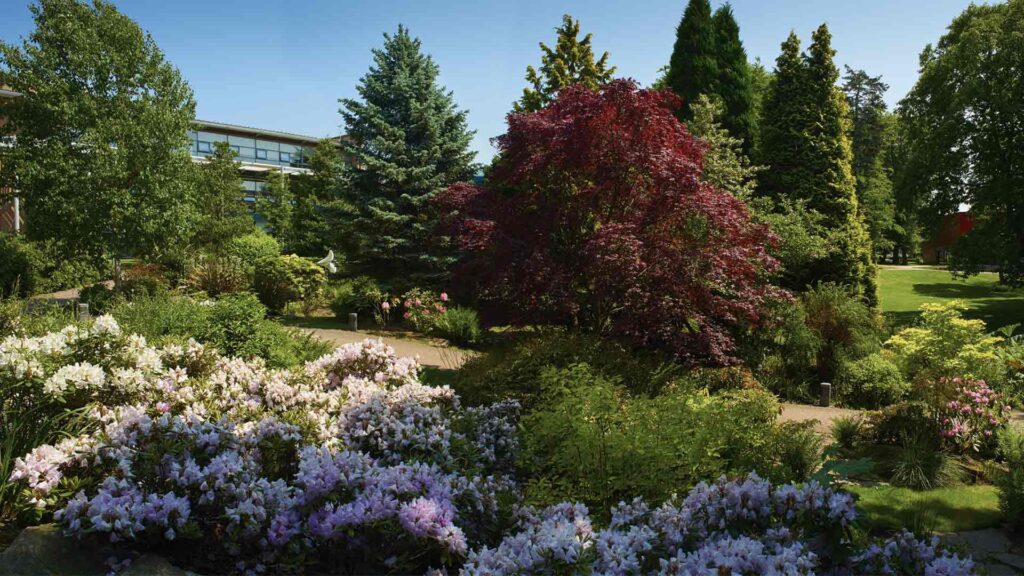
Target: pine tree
(807, 150)
(693, 69)
(223, 213)
(570, 62)
(735, 86)
(407, 141)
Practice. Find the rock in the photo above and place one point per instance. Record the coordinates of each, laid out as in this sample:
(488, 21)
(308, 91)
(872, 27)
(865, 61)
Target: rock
(44, 550)
(981, 543)
(1011, 560)
(152, 565)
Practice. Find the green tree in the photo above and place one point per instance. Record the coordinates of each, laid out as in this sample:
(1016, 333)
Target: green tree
(408, 141)
(276, 205)
(101, 157)
(966, 145)
(223, 214)
(725, 164)
(570, 62)
(693, 68)
(735, 86)
(806, 147)
(319, 207)
(870, 133)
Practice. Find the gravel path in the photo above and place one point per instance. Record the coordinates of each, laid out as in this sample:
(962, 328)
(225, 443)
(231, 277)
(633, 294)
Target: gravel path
(824, 415)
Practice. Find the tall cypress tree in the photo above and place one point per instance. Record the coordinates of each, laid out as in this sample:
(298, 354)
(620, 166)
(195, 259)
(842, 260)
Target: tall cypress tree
(807, 150)
(735, 86)
(693, 69)
(407, 141)
(570, 62)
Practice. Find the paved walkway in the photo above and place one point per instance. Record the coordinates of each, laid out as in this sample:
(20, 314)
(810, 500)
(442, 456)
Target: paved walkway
(824, 415)
(429, 354)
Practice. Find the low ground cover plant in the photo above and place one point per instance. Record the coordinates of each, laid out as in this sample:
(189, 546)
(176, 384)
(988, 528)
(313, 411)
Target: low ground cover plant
(351, 465)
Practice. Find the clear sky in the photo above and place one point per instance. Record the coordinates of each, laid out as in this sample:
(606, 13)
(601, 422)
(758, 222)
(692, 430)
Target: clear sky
(282, 64)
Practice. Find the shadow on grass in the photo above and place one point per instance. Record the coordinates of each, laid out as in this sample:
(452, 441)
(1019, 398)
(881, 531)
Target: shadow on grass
(897, 508)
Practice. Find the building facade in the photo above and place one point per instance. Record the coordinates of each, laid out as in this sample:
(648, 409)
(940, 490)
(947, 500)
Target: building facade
(936, 249)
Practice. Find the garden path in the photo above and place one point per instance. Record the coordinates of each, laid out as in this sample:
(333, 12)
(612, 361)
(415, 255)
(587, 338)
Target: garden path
(429, 354)
(825, 415)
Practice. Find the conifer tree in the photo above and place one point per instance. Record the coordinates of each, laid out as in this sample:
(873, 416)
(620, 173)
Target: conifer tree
(223, 214)
(807, 151)
(570, 62)
(735, 86)
(407, 141)
(693, 69)
(725, 165)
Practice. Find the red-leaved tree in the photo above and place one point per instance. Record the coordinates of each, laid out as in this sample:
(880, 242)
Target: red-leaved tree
(596, 217)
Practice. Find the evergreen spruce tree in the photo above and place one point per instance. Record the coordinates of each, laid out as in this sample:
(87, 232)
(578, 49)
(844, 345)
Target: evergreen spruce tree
(570, 62)
(407, 141)
(318, 202)
(735, 86)
(725, 164)
(806, 147)
(223, 213)
(693, 69)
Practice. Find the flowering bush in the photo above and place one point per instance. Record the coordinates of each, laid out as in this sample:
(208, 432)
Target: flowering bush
(973, 415)
(351, 465)
(423, 309)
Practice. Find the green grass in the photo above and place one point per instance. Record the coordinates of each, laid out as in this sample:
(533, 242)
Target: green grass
(887, 508)
(902, 291)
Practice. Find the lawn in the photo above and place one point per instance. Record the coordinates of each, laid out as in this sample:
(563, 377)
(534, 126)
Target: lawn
(903, 290)
(952, 509)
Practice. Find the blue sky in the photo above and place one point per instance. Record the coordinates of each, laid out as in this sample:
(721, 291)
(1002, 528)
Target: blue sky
(283, 64)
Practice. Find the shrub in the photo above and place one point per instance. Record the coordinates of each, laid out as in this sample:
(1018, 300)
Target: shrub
(513, 371)
(143, 280)
(422, 310)
(233, 324)
(19, 275)
(679, 267)
(98, 297)
(871, 382)
(361, 295)
(893, 424)
(969, 413)
(290, 278)
(588, 437)
(459, 326)
(1011, 482)
(946, 345)
(917, 464)
(216, 275)
(846, 432)
(729, 378)
(253, 247)
(163, 318)
(843, 326)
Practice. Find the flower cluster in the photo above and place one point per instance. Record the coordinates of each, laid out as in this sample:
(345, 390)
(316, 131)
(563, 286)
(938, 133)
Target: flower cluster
(423, 308)
(974, 414)
(746, 526)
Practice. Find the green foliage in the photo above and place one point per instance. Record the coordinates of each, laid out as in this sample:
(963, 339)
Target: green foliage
(917, 464)
(407, 142)
(1011, 482)
(253, 247)
(847, 432)
(459, 326)
(807, 151)
(98, 297)
(892, 425)
(513, 371)
(223, 213)
(734, 87)
(945, 344)
(726, 166)
(963, 119)
(570, 62)
(360, 295)
(233, 324)
(277, 205)
(216, 275)
(284, 279)
(101, 157)
(693, 68)
(590, 437)
(319, 209)
(871, 382)
(19, 275)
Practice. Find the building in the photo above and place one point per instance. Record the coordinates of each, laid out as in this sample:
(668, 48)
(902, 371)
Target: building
(259, 152)
(936, 250)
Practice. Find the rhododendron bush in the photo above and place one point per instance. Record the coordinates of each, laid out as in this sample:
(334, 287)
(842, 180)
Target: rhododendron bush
(351, 465)
(595, 215)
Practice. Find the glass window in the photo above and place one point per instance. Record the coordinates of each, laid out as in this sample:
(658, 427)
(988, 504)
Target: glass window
(246, 152)
(261, 154)
(213, 137)
(286, 156)
(268, 145)
(236, 149)
(205, 147)
(242, 141)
